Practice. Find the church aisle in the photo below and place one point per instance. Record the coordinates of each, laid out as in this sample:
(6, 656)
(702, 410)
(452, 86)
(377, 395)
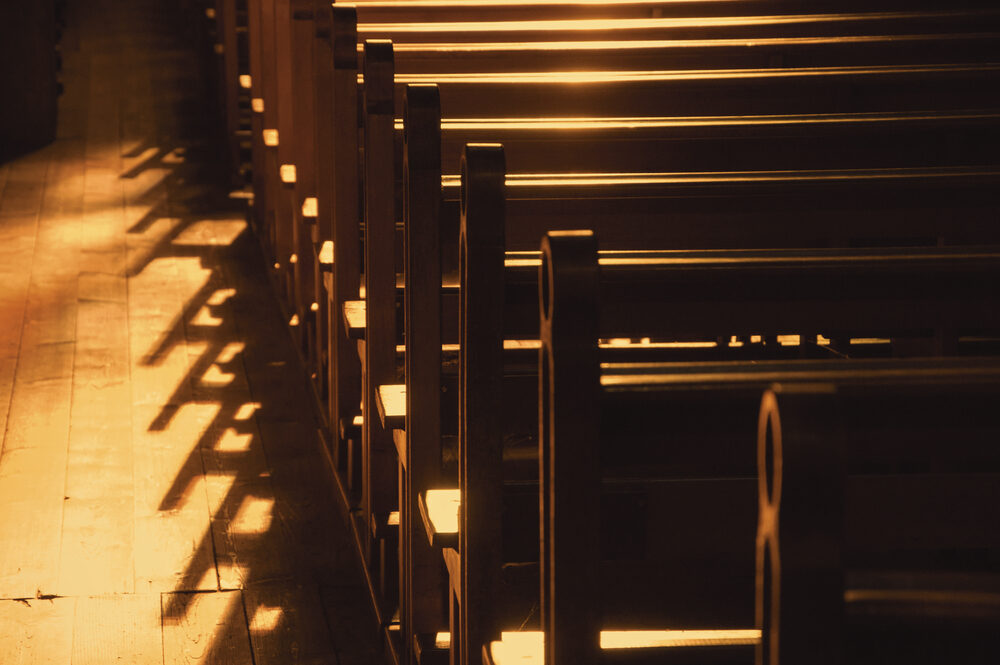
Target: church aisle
(163, 497)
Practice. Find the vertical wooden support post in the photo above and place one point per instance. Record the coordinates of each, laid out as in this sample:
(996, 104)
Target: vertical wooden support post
(229, 85)
(261, 201)
(345, 370)
(480, 421)
(270, 135)
(285, 219)
(379, 462)
(304, 85)
(801, 473)
(423, 577)
(323, 227)
(569, 447)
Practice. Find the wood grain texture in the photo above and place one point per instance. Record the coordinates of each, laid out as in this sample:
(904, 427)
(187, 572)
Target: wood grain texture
(159, 441)
(37, 632)
(118, 628)
(205, 628)
(287, 625)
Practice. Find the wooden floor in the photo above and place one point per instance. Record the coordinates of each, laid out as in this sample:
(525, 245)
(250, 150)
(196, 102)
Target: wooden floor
(162, 494)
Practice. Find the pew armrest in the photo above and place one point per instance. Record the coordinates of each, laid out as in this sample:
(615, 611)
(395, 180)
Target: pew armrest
(325, 256)
(439, 513)
(385, 525)
(351, 429)
(390, 399)
(354, 318)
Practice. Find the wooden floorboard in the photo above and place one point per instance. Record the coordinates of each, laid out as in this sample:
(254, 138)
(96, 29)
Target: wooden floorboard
(163, 495)
(37, 632)
(121, 628)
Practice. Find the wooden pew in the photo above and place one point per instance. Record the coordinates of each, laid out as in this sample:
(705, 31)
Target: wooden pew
(723, 53)
(399, 12)
(350, 350)
(304, 203)
(260, 21)
(632, 408)
(379, 189)
(778, 24)
(347, 108)
(380, 11)
(227, 25)
(877, 533)
(493, 424)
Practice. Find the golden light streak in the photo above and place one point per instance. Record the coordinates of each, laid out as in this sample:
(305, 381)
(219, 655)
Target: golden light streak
(693, 178)
(609, 25)
(618, 45)
(526, 647)
(788, 340)
(612, 379)
(591, 123)
(632, 639)
(384, 4)
(663, 76)
(660, 76)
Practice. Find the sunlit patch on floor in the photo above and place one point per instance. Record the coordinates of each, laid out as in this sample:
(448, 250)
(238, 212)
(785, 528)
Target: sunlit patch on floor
(204, 317)
(254, 516)
(231, 441)
(246, 411)
(209, 579)
(220, 296)
(230, 351)
(211, 232)
(216, 378)
(218, 483)
(265, 619)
